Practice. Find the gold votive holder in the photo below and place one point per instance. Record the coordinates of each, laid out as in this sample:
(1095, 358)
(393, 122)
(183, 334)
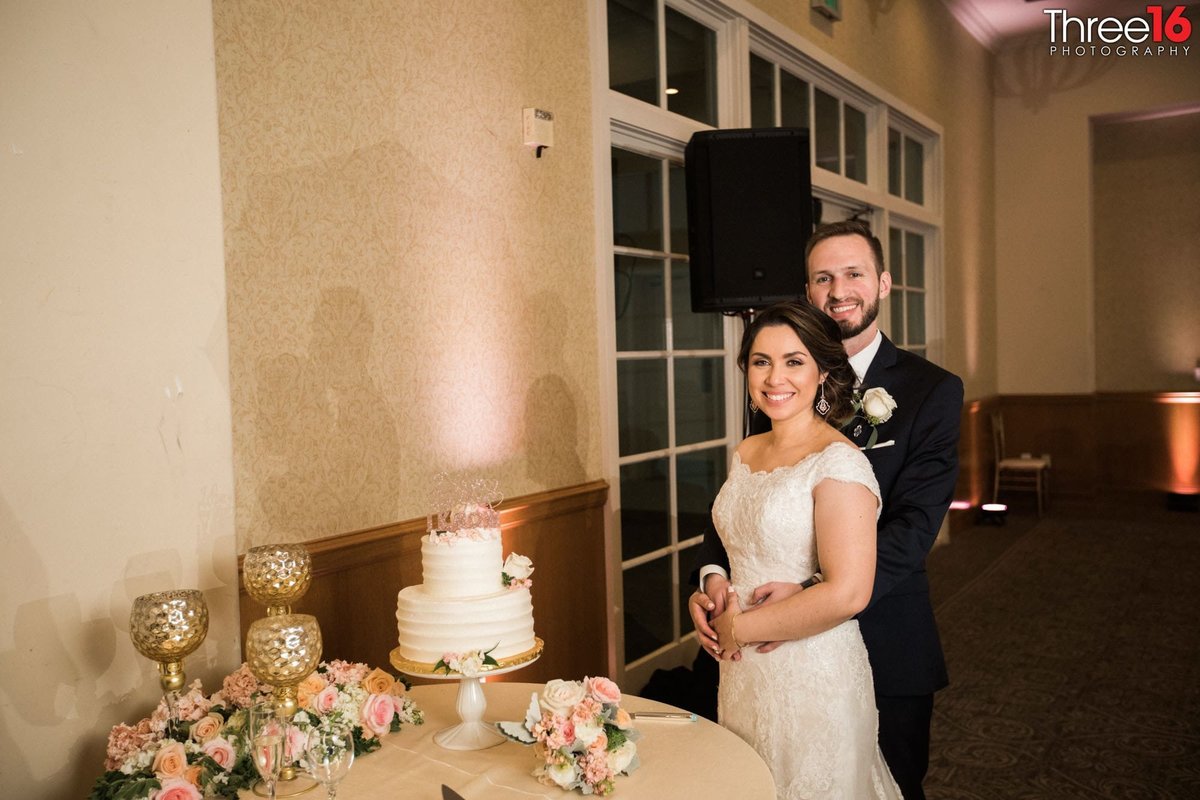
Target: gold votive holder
(277, 575)
(166, 627)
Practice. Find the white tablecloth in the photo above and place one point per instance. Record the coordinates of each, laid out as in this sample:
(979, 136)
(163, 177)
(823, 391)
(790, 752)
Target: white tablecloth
(689, 760)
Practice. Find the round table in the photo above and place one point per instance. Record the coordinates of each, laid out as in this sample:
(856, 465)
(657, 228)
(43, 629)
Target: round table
(678, 759)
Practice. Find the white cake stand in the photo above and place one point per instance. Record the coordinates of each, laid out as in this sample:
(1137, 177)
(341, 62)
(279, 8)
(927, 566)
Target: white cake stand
(472, 733)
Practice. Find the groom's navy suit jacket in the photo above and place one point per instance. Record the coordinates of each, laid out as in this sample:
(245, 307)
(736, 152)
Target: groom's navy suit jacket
(916, 480)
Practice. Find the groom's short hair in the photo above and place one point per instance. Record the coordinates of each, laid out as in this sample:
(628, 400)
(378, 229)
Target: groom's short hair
(846, 227)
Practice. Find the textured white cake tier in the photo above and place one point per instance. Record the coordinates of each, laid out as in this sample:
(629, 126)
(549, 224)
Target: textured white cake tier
(430, 626)
(461, 566)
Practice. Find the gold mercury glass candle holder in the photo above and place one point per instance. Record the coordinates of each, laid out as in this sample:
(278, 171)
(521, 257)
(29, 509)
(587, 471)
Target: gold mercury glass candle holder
(282, 650)
(166, 627)
(277, 575)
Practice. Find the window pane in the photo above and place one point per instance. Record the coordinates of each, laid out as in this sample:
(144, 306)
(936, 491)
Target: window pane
(633, 48)
(895, 263)
(914, 259)
(698, 478)
(642, 405)
(637, 200)
(679, 227)
(894, 162)
(915, 324)
(793, 101)
(645, 507)
(648, 608)
(762, 92)
(639, 292)
(914, 170)
(691, 331)
(856, 144)
(687, 562)
(691, 68)
(699, 400)
(826, 113)
(896, 304)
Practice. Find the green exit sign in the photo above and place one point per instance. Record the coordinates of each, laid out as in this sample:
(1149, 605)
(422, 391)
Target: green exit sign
(830, 8)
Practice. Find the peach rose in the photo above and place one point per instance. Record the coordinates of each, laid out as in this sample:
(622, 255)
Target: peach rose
(603, 689)
(378, 682)
(170, 761)
(192, 775)
(398, 689)
(221, 751)
(309, 688)
(623, 721)
(324, 702)
(177, 789)
(206, 728)
(377, 714)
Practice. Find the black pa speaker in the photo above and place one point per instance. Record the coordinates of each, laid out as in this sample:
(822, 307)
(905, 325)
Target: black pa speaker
(750, 213)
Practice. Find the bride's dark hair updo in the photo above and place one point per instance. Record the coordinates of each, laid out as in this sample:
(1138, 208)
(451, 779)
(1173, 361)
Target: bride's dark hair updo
(823, 339)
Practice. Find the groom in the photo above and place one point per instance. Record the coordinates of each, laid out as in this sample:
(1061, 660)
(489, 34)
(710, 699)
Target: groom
(915, 458)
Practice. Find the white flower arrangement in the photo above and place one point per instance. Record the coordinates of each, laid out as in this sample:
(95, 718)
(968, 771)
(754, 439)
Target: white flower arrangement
(468, 664)
(580, 733)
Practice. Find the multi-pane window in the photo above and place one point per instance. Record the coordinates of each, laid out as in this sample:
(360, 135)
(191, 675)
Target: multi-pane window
(689, 65)
(670, 401)
(685, 80)
(906, 262)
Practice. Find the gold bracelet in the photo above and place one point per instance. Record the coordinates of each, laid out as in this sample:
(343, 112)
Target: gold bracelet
(733, 632)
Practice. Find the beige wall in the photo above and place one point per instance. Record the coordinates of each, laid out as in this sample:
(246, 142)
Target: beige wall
(411, 291)
(1146, 178)
(115, 463)
(920, 54)
(1046, 292)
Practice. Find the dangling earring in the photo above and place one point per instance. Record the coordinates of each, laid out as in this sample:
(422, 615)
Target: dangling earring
(822, 404)
(753, 408)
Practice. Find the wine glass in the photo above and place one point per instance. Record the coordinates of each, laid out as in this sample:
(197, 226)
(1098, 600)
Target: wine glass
(330, 753)
(266, 743)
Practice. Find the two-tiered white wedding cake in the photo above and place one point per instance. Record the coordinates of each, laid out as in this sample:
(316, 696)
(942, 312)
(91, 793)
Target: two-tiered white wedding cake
(470, 599)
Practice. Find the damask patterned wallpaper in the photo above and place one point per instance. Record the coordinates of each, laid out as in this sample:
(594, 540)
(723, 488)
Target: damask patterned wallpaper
(410, 291)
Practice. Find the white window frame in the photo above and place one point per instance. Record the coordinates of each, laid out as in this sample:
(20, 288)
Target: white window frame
(622, 121)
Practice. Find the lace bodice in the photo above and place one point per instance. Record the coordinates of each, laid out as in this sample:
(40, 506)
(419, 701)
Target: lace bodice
(765, 518)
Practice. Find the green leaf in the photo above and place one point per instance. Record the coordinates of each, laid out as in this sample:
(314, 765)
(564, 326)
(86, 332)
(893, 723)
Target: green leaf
(873, 438)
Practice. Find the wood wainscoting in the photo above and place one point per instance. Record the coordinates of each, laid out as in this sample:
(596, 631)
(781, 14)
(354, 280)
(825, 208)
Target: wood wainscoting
(1126, 442)
(357, 575)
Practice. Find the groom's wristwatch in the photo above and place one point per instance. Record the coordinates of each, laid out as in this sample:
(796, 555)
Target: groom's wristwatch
(813, 581)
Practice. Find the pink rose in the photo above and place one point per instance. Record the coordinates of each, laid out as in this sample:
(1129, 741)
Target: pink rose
(294, 744)
(177, 789)
(603, 689)
(377, 714)
(325, 700)
(170, 761)
(221, 751)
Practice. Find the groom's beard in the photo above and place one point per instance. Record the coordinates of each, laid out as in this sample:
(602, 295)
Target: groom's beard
(851, 329)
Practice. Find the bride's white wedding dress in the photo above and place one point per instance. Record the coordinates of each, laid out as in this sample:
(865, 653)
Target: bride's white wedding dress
(808, 707)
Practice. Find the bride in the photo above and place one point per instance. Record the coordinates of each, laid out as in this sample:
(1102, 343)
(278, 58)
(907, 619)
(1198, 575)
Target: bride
(799, 499)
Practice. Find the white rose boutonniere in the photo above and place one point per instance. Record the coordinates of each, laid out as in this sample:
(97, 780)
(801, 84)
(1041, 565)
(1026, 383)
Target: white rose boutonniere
(878, 405)
(874, 406)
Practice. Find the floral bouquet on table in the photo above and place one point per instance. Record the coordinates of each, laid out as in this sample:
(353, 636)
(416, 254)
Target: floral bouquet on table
(582, 736)
(207, 754)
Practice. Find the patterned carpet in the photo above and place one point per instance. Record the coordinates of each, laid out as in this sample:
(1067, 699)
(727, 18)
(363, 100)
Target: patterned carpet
(1074, 652)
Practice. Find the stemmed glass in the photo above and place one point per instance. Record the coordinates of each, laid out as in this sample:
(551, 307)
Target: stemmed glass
(266, 743)
(330, 753)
